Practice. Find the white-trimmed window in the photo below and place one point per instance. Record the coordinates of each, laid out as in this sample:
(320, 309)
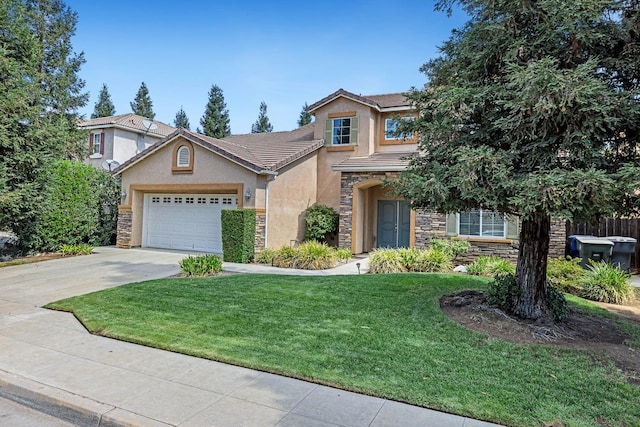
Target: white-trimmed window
(341, 131)
(96, 143)
(482, 223)
(183, 157)
(391, 126)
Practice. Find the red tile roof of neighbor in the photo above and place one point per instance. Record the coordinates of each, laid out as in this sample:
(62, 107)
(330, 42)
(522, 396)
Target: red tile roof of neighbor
(129, 121)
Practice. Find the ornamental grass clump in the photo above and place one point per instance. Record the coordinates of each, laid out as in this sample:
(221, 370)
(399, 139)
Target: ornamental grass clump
(405, 260)
(73, 250)
(311, 255)
(606, 283)
(382, 261)
(201, 265)
(490, 266)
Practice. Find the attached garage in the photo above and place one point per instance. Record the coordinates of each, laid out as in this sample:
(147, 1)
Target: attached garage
(185, 221)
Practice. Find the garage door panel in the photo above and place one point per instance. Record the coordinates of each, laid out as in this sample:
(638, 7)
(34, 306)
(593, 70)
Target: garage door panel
(185, 222)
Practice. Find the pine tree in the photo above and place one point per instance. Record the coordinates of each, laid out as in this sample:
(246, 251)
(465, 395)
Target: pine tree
(142, 104)
(531, 110)
(104, 106)
(181, 120)
(305, 116)
(262, 124)
(215, 121)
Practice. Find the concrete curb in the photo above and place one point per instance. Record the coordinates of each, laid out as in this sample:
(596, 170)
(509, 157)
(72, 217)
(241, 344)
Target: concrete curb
(66, 406)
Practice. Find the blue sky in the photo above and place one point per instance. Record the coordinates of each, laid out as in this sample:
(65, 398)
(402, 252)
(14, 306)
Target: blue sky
(282, 52)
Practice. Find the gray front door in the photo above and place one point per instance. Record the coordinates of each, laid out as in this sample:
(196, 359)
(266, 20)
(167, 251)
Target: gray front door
(394, 219)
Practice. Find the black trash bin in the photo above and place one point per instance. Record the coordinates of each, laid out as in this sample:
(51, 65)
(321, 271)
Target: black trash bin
(574, 252)
(597, 249)
(623, 248)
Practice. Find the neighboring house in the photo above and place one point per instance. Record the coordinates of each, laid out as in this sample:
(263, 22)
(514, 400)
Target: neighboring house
(121, 137)
(176, 188)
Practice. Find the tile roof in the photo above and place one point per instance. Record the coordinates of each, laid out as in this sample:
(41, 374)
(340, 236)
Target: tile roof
(128, 121)
(379, 102)
(258, 152)
(377, 162)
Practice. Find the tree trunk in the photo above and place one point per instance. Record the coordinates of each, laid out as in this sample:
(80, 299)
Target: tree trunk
(531, 270)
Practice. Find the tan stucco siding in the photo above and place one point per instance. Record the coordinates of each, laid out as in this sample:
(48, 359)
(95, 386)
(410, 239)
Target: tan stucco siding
(293, 191)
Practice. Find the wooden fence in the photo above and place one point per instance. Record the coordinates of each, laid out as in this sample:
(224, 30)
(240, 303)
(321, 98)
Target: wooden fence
(626, 227)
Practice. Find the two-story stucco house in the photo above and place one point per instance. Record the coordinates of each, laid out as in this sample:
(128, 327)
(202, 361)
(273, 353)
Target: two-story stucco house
(121, 137)
(176, 188)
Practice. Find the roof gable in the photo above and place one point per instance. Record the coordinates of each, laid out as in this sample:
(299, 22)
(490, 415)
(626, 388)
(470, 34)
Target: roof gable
(262, 153)
(383, 102)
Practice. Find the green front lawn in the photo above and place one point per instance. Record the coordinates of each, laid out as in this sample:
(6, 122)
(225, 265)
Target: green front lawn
(382, 335)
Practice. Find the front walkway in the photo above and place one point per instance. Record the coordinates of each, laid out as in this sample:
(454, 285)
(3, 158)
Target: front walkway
(48, 361)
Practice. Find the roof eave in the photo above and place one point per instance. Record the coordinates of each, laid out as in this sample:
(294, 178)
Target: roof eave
(346, 168)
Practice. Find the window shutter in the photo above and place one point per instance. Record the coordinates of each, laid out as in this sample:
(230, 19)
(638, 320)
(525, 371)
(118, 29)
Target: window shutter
(513, 226)
(91, 143)
(451, 225)
(102, 143)
(354, 130)
(328, 132)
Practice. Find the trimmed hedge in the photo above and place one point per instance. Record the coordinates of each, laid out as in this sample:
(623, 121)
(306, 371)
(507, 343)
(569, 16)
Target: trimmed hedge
(238, 235)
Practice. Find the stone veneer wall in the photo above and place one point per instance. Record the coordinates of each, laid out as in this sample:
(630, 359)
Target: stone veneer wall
(123, 229)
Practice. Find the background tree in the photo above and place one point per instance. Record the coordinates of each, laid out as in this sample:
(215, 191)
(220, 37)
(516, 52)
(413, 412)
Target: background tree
(142, 104)
(528, 112)
(262, 124)
(215, 121)
(305, 116)
(181, 120)
(40, 93)
(104, 106)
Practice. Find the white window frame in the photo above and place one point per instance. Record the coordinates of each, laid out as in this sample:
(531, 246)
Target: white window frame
(97, 143)
(389, 134)
(342, 135)
(480, 226)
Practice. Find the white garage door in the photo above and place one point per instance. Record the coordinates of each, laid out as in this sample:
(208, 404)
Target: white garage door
(185, 221)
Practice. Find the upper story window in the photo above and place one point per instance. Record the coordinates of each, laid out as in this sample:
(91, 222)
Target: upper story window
(391, 128)
(182, 158)
(341, 130)
(96, 143)
(482, 223)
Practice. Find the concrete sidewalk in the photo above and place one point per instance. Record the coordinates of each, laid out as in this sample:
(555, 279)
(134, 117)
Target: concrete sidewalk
(48, 361)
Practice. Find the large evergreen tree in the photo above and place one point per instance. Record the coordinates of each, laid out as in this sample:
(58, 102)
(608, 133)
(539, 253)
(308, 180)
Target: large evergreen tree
(181, 120)
(142, 104)
(531, 110)
(40, 93)
(262, 124)
(104, 106)
(215, 121)
(305, 117)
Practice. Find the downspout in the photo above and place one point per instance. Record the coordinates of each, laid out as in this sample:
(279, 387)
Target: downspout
(270, 176)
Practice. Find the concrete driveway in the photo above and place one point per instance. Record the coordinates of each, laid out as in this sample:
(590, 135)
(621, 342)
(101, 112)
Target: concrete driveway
(43, 282)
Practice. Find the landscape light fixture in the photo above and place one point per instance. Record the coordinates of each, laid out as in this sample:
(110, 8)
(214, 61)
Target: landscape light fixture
(358, 265)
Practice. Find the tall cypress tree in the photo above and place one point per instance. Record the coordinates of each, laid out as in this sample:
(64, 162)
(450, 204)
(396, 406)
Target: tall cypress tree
(181, 120)
(215, 121)
(305, 116)
(142, 104)
(104, 106)
(262, 124)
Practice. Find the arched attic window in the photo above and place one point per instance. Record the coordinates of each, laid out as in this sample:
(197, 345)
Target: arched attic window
(183, 158)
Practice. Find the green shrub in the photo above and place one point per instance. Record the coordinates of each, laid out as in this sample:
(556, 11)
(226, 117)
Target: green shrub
(73, 250)
(606, 283)
(436, 260)
(320, 221)
(386, 261)
(201, 265)
(490, 266)
(503, 291)
(344, 254)
(78, 204)
(238, 234)
(450, 247)
(557, 303)
(565, 274)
